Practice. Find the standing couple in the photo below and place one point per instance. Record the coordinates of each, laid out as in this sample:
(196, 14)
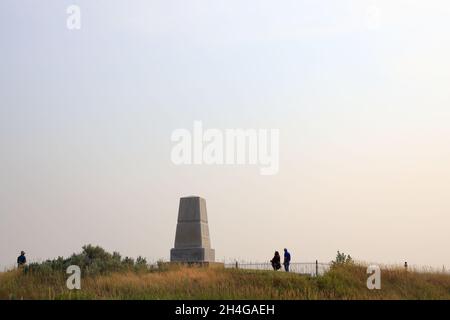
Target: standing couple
(276, 260)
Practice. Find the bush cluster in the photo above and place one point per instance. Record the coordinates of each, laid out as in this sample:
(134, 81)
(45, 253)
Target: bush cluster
(93, 260)
(342, 259)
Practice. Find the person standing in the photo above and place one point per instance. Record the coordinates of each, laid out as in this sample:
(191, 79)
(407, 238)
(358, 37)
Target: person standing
(276, 261)
(21, 260)
(287, 260)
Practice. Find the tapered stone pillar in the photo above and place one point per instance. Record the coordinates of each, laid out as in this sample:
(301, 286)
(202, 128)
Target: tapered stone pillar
(192, 243)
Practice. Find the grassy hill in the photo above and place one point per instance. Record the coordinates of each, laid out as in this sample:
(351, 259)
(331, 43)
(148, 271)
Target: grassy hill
(345, 282)
(109, 276)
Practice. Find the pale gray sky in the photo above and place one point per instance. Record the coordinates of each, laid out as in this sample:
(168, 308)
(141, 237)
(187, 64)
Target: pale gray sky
(362, 106)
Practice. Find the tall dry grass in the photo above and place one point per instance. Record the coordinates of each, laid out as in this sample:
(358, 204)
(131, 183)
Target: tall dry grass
(181, 282)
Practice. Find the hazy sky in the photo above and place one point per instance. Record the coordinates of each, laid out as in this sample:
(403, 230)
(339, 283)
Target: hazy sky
(358, 89)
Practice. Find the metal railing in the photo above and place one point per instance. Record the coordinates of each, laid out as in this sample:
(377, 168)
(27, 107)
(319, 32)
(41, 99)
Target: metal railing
(306, 268)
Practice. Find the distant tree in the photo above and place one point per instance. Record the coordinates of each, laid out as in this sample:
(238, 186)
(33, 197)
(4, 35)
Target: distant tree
(117, 256)
(127, 261)
(141, 261)
(342, 259)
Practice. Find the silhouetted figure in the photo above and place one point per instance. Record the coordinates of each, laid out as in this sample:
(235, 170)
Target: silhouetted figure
(287, 260)
(21, 260)
(276, 261)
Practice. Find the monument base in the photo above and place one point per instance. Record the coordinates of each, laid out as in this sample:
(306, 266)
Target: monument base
(192, 255)
(200, 264)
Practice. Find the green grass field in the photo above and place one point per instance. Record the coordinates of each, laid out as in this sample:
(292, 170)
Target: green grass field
(182, 282)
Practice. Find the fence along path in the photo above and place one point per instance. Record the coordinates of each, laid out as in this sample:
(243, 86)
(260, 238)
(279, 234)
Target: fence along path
(306, 268)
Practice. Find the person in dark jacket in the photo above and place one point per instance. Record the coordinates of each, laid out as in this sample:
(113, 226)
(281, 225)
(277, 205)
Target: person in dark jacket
(21, 260)
(276, 261)
(287, 260)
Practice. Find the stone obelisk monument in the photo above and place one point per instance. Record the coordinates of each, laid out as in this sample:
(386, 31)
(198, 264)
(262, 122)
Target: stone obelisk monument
(192, 243)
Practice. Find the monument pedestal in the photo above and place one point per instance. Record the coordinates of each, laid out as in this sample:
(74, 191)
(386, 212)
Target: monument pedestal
(192, 254)
(192, 242)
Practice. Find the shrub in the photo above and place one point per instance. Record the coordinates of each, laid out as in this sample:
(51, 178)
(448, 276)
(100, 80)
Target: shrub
(342, 259)
(93, 260)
